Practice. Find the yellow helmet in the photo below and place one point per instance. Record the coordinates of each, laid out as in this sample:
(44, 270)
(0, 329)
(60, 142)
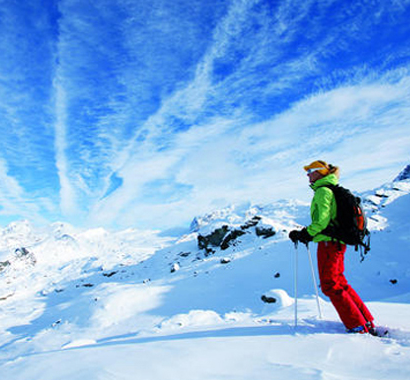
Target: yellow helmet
(321, 166)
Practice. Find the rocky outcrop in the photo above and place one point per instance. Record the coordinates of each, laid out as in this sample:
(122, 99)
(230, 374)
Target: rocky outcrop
(26, 255)
(225, 236)
(214, 239)
(4, 265)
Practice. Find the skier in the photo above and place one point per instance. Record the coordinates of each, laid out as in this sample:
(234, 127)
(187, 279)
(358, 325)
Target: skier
(330, 253)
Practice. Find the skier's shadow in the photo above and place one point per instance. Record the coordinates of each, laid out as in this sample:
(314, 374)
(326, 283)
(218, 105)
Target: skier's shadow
(266, 330)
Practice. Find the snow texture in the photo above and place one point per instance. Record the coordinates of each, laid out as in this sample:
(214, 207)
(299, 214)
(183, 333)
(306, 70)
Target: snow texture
(80, 305)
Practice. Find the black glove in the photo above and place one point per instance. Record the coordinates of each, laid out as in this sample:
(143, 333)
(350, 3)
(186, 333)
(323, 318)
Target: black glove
(294, 235)
(303, 236)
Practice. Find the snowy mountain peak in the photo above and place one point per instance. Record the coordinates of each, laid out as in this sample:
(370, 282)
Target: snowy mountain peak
(404, 174)
(378, 198)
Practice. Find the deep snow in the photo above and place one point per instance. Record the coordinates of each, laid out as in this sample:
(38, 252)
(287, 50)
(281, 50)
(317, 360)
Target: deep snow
(143, 305)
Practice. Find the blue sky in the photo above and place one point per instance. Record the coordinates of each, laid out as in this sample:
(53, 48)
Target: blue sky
(139, 113)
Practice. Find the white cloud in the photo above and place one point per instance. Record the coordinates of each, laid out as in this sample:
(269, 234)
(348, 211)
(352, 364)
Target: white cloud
(362, 128)
(229, 115)
(14, 201)
(68, 202)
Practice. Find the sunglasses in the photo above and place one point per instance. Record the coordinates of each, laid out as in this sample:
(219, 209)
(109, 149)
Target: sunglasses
(310, 171)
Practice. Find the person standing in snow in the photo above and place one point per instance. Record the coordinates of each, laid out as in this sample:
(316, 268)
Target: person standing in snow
(330, 253)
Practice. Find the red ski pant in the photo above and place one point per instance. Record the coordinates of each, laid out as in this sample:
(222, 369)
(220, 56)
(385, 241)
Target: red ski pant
(351, 309)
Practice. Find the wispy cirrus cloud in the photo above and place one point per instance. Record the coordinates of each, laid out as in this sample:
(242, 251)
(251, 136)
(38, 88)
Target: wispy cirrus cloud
(113, 80)
(26, 71)
(217, 163)
(230, 152)
(25, 91)
(14, 200)
(154, 112)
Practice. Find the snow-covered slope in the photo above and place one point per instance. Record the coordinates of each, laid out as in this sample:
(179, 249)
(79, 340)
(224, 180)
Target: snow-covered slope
(214, 303)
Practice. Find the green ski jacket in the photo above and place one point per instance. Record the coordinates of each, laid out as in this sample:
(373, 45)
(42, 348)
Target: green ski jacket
(323, 207)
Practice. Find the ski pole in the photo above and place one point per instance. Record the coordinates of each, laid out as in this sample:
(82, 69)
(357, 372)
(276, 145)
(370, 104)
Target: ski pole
(296, 285)
(314, 281)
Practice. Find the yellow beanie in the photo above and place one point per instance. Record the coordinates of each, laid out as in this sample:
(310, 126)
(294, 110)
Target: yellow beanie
(319, 164)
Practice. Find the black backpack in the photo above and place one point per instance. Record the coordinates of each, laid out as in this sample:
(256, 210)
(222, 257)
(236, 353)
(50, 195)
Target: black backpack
(350, 225)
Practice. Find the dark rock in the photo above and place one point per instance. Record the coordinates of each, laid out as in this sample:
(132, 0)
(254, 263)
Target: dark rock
(268, 299)
(381, 195)
(214, 239)
(4, 265)
(265, 232)
(230, 238)
(24, 254)
(21, 252)
(175, 268)
(7, 296)
(251, 223)
(110, 274)
(209, 251)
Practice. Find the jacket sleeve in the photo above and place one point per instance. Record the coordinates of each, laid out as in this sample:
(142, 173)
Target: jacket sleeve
(320, 210)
